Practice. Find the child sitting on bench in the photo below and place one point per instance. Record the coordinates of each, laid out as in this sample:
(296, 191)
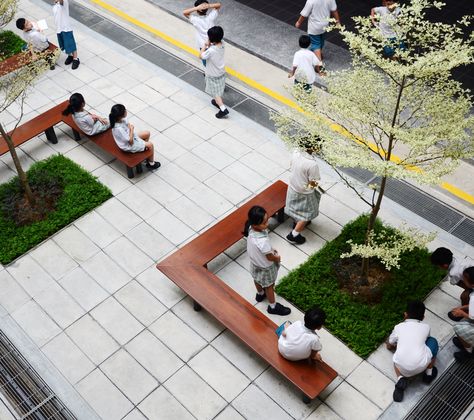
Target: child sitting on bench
(89, 124)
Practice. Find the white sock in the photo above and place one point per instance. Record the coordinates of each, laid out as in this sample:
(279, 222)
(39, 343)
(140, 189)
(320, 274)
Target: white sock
(429, 371)
(272, 305)
(151, 162)
(261, 293)
(295, 233)
(400, 377)
(222, 108)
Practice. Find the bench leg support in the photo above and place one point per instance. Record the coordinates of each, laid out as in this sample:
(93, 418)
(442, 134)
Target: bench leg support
(139, 168)
(51, 135)
(76, 135)
(130, 173)
(196, 306)
(306, 399)
(280, 215)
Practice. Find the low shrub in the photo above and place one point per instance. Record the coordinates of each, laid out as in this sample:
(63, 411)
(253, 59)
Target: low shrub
(81, 192)
(10, 44)
(363, 327)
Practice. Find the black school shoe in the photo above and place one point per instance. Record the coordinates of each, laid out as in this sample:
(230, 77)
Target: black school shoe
(156, 165)
(279, 309)
(222, 114)
(259, 297)
(400, 387)
(427, 379)
(75, 64)
(69, 60)
(463, 355)
(454, 318)
(299, 239)
(213, 102)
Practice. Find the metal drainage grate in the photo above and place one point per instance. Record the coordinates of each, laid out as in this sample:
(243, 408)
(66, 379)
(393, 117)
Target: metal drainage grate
(449, 397)
(26, 392)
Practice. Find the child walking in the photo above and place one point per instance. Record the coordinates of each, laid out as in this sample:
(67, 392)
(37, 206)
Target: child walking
(213, 53)
(415, 350)
(89, 124)
(264, 260)
(298, 341)
(66, 40)
(385, 18)
(126, 137)
(305, 65)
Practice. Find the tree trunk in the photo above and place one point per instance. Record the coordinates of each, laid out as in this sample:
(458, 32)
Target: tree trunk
(21, 173)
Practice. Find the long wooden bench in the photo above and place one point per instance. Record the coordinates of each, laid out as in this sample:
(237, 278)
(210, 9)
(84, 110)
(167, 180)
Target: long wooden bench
(187, 268)
(48, 119)
(19, 60)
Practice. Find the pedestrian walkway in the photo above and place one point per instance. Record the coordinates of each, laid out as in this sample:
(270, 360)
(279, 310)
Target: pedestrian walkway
(106, 330)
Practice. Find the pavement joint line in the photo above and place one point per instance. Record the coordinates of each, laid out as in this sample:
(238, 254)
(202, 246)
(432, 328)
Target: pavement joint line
(258, 86)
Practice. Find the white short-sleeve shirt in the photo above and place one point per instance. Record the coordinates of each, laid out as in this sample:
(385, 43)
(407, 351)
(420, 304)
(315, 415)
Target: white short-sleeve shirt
(304, 169)
(456, 268)
(258, 246)
(471, 306)
(305, 61)
(298, 342)
(36, 39)
(412, 355)
(61, 17)
(121, 134)
(214, 56)
(387, 20)
(318, 13)
(202, 25)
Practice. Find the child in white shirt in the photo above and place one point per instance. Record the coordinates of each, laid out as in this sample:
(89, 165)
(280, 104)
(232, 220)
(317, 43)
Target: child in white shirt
(88, 123)
(66, 40)
(305, 65)
(385, 18)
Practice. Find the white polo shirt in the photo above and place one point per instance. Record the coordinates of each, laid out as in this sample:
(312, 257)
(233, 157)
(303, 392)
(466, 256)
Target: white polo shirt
(214, 56)
(304, 169)
(36, 39)
(202, 25)
(61, 17)
(412, 355)
(298, 342)
(318, 13)
(305, 61)
(258, 246)
(456, 268)
(387, 20)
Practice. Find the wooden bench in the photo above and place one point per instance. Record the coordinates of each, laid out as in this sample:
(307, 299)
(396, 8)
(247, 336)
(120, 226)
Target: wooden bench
(48, 119)
(187, 267)
(19, 60)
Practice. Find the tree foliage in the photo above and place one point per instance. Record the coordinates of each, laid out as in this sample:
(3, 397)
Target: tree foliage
(8, 9)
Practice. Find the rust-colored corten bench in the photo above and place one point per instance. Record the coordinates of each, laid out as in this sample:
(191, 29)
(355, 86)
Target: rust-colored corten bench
(187, 267)
(19, 60)
(48, 119)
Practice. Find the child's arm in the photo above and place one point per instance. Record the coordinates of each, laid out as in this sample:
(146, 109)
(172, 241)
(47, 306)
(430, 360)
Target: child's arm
(216, 6)
(273, 256)
(316, 356)
(373, 16)
(300, 21)
(132, 128)
(292, 71)
(335, 15)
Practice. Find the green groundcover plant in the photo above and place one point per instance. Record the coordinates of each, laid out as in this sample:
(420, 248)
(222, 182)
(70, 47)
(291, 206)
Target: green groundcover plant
(10, 44)
(81, 192)
(362, 327)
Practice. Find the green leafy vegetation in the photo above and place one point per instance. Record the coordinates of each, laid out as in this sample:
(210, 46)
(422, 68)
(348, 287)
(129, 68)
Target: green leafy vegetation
(10, 44)
(78, 193)
(363, 327)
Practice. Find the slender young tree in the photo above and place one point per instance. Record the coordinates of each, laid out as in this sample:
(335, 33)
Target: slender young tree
(402, 117)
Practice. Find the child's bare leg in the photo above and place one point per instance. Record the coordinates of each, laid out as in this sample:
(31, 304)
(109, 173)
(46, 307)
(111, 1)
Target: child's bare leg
(270, 292)
(397, 372)
(74, 54)
(433, 361)
(300, 226)
(258, 287)
(144, 135)
(464, 343)
(219, 101)
(318, 54)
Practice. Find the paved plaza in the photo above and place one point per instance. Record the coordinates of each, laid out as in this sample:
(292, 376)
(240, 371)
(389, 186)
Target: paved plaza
(108, 332)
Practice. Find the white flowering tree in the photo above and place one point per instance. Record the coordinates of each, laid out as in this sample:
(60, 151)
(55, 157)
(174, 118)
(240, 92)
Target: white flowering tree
(402, 117)
(8, 9)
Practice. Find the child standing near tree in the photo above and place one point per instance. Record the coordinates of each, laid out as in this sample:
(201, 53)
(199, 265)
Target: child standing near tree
(264, 260)
(66, 40)
(305, 65)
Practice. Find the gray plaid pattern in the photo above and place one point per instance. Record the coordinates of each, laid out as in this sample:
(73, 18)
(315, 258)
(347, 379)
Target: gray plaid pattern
(265, 277)
(302, 207)
(215, 85)
(465, 330)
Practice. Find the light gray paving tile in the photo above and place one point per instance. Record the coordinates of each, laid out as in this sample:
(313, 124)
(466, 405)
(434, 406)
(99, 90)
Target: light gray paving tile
(440, 328)
(158, 189)
(101, 66)
(135, 415)
(97, 229)
(313, 242)
(182, 136)
(92, 339)
(132, 103)
(200, 127)
(76, 244)
(245, 359)
(132, 259)
(212, 155)
(146, 93)
(162, 288)
(323, 412)
(51, 89)
(103, 396)
(210, 200)
(83, 288)
(209, 114)
(239, 279)
(5, 173)
(137, 71)
(343, 214)
(349, 403)
(184, 380)
(85, 74)
(38, 149)
(191, 102)
(53, 259)
(162, 405)
(116, 57)
(59, 305)
(84, 158)
(219, 373)
(292, 256)
(161, 85)
(150, 241)
(245, 176)
(377, 387)
(230, 145)
(112, 179)
(261, 164)
(228, 188)
(175, 334)
(35, 99)
(67, 357)
(120, 77)
(325, 227)
(382, 359)
(255, 404)
(127, 374)
(172, 110)
(36, 323)
(155, 118)
(106, 272)
(12, 295)
(140, 302)
(117, 214)
(441, 303)
(229, 413)
(29, 274)
(92, 97)
(25, 160)
(451, 289)
(190, 213)
(196, 166)
(154, 356)
(275, 152)
(170, 227)
(139, 202)
(177, 177)
(166, 147)
(116, 320)
(107, 87)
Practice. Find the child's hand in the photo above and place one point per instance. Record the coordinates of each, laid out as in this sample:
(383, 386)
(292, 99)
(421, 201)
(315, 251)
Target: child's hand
(290, 75)
(458, 312)
(130, 126)
(298, 24)
(317, 357)
(390, 347)
(203, 6)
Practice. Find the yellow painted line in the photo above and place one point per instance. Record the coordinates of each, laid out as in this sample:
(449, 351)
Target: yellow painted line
(258, 86)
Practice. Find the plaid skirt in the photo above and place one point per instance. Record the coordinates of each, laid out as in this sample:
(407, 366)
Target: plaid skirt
(302, 207)
(465, 330)
(265, 277)
(215, 85)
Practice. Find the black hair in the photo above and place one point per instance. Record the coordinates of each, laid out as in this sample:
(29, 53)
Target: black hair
(441, 256)
(215, 34)
(199, 2)
(256, 216)
(416, 310)
(117, 112)
(304, 41)
(20, 23)
(469, 273)
(76, 102)
(314, 318)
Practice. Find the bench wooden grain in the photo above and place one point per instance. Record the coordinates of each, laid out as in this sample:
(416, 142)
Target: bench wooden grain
(187, 268)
